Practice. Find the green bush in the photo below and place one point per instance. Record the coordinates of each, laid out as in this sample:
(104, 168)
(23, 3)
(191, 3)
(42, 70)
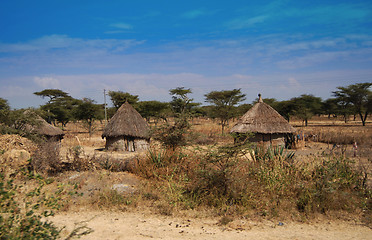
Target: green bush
(21, 217)
(173, 135)
(334, 185)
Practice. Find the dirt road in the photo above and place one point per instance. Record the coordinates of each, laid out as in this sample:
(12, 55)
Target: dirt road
(136, 226)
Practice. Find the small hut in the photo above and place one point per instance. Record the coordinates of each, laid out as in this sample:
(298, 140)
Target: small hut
(126, 131)
(41, 127)
(267, 125)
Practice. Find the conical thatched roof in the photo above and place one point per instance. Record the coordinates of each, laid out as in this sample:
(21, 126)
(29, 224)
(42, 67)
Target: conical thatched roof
(42, 127)
(127, 122)
(262, 118)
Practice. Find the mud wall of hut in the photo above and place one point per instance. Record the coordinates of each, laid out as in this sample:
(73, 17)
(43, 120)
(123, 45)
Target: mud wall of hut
(124, 143)
(273, 139)
(276, 139)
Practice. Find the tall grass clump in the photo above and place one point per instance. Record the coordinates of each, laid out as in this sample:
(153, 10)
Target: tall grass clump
(333, 184)
(274, 169)
(167, 172)
(246, 180)
(219, 178)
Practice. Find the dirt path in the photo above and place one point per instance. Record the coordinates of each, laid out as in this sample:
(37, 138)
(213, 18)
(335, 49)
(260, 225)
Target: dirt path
(136, 226)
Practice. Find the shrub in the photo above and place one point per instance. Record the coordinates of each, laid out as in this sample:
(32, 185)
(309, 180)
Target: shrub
(46, 159)
(173, 135)
(236, 179)
(334, 185)
(21, 218)
(217, 176)
(111, 164)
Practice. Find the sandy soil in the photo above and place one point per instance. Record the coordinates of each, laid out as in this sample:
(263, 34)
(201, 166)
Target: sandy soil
(132, 225)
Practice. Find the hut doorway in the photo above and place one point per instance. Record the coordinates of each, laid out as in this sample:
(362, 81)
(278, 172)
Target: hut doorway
(129, 144)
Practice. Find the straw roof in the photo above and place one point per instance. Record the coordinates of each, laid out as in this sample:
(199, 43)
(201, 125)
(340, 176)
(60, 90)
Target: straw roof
(42, 127)
(127, 122)
(262, 118)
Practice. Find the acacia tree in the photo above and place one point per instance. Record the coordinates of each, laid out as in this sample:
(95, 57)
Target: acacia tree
(52, 94)
(59, 106)
(152, 109)
(61, 109)
(359, 95)
(285, 108)
(119, 97)
(173, 135)
(4, 105)
(306, 106)
(15, 121)
(330, 107)
(88, 112)
(181, 104)
(223, 103)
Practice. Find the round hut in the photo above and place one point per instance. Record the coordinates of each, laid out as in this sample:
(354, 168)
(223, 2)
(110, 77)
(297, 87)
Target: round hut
(43, 128)
(126, 131)
(267, 125)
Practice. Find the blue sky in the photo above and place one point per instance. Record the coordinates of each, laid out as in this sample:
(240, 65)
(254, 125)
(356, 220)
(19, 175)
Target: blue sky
(281, 49)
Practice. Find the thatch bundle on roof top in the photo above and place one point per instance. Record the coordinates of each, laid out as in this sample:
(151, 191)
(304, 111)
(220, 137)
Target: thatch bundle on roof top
(127, 130)
(265, 123)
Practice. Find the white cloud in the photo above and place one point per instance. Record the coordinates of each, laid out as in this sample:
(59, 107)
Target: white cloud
(47, 82)
(64, 42)
(13, 91)
(121, 25)
(43, 43)
(292, 82)
(312, 59)
(244, 22)
(115, 32)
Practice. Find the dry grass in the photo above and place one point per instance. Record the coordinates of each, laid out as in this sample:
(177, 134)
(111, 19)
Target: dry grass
(200, 178)
(337, 132)
(207, 132)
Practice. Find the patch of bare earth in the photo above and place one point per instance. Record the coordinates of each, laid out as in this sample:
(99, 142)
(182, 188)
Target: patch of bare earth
(140, 225)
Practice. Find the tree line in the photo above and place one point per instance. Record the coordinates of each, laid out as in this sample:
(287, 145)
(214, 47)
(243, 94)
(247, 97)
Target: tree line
(60, 108)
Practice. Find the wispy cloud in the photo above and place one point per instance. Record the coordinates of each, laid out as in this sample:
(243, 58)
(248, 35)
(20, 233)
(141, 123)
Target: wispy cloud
(318, 59)
(293, 82)
(51, 42)
(43, 43)
(194, 13)
(47, 82)
(335, 13)
(120, 25)
(246, 22)
(347, 15)
(84, 67)
(229, 56)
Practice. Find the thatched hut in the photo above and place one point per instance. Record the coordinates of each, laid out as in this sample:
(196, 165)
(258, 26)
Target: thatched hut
(267, 125)
(41, 127)
(126, 131)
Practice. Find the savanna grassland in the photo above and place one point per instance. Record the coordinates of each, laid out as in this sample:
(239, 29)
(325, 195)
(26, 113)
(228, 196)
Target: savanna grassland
(209, 188)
